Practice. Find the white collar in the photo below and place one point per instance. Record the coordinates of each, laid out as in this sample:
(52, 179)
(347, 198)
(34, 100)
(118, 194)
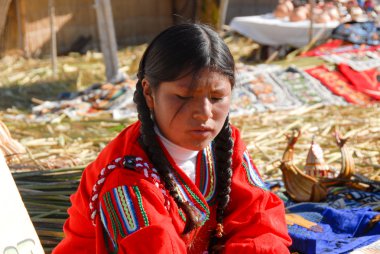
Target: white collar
(178, 153)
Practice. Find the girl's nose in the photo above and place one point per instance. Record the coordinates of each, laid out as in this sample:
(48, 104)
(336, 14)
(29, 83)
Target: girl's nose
(203, 109)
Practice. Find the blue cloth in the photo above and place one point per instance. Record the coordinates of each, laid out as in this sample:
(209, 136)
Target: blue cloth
(361, 3)
(358, 32)
(338, 231)
(343, 197)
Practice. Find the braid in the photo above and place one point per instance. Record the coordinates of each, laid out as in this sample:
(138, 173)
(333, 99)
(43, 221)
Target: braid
(155, 153)
(223, 150)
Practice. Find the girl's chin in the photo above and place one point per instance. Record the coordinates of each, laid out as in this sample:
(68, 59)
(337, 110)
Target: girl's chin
(198, 145)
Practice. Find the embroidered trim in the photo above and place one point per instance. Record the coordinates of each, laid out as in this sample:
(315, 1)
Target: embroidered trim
(142, 210)
(183, 217)
(94, 204)
(140, 166)
(116, 225)
(105, 224)
(124, 211)
(126, 208)
(252, 175)
(188, 195)
(208, 174)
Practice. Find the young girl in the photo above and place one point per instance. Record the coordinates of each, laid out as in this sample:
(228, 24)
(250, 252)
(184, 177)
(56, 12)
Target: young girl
(180, 179)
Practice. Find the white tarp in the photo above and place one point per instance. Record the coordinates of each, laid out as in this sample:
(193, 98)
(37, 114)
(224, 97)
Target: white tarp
(268, 30)
(17, 234)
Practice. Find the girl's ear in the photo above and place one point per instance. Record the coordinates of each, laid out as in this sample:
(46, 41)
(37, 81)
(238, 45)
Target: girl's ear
(147, 91)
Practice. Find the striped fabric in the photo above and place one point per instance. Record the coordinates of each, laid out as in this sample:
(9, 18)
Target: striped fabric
(207, 174)
(122, 212)
(339, 85)
(306, 88)
(188, 195)
(252, 172)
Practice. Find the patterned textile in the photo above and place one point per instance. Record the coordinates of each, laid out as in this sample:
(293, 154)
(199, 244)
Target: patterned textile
(339, 231)
(339, 85)
(343, 197)
(373, 248)
(336, 46)
(115, 99)
(306, 88)
(124, 212)
(207, 173)
(367, 82)
(257, 91)
(361, 61)
(358, 33)
(244, 102)
(345, 222)
(252, 172)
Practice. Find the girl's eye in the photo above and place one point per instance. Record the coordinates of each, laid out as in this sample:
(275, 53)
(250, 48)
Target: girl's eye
(183, 97)
(216, 99)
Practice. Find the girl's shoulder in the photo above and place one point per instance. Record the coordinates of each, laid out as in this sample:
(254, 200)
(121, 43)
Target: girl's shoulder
(241, 158)
(236, 136)
(126, 175)
(123, 144)
(126, 140)
(239, 146)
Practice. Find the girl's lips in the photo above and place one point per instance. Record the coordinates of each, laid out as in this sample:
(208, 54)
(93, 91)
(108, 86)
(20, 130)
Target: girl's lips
(203, 128)
(201, 133)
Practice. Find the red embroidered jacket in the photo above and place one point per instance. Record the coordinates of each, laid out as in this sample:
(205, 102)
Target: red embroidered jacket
(121, 205)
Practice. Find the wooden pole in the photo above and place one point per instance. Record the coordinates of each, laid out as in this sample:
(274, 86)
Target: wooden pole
(20, 38)
(108, 43)
(53, 34)
(23, 36)
(222, 13)
(312, 6)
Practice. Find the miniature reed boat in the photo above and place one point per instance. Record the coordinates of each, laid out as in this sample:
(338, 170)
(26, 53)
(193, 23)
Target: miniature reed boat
(300, 186)
(311, 185)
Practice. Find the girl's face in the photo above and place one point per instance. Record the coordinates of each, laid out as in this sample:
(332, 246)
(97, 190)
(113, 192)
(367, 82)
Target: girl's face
(190, 111)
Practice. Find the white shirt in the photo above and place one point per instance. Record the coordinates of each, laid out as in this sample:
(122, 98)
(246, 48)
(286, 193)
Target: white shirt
(186, 159)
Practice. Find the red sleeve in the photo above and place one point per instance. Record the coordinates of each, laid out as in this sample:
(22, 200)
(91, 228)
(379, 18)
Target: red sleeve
(138, 216)
(255, 217)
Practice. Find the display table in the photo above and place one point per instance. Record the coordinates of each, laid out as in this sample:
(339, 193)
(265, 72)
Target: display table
(268, 30)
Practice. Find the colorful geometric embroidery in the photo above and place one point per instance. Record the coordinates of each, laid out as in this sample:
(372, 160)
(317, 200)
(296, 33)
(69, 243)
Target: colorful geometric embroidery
(183, 217)
(142, 210)
(105, 226)
(117, 228)
(94, 204)
(253, 177)
(189, 196)
(207, 174)
(339, 84)
(122, 212)
(125, 208)
(130, 162)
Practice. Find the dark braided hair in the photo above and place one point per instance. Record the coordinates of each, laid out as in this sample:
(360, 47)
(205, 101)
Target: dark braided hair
(223, 152)
(190, 48)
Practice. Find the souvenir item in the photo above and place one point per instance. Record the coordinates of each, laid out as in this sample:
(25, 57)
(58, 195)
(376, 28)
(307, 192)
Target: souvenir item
(367, 82)
(302, 187)
(339, 85)
(307, 89)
